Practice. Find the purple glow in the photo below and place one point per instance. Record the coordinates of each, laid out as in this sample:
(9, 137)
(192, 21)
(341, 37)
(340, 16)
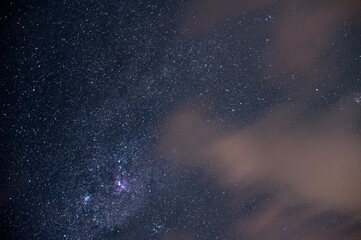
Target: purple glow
(121, 185)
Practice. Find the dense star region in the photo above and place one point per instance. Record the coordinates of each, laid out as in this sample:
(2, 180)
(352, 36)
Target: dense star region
(204, 119)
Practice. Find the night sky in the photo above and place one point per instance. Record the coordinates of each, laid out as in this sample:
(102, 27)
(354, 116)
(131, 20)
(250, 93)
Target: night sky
(199, 119)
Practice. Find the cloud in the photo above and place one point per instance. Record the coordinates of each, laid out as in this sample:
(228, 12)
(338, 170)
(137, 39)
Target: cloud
(301, 161)
(306, 40)
(280, 221)
(204, 15)
(309, 164)
(318, 159)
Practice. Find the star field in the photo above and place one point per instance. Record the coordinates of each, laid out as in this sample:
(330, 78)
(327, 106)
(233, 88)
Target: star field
(179, 120)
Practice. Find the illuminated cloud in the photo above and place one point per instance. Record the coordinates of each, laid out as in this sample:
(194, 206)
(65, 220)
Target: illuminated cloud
(312, 162)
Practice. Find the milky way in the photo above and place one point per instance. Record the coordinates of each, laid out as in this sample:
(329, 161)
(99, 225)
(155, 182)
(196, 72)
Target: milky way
(179, 119)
